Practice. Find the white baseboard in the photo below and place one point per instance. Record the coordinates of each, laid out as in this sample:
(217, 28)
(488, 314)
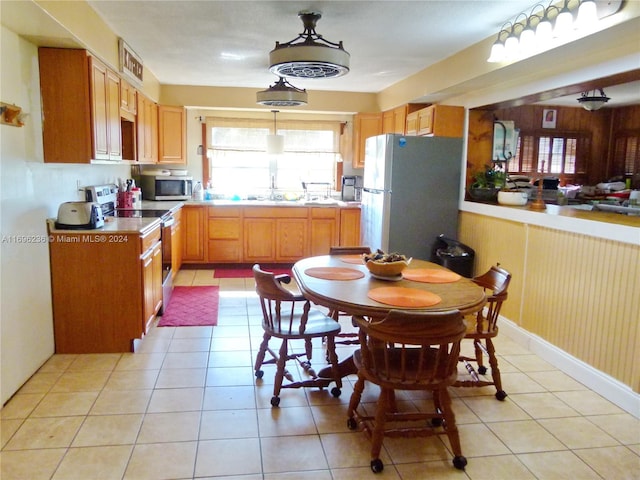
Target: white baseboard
(610, 388)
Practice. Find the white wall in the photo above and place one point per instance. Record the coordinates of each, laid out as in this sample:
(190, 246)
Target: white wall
(30, 192)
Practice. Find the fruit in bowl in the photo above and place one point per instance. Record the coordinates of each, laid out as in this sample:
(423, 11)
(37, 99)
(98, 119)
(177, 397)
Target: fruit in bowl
(386, 265)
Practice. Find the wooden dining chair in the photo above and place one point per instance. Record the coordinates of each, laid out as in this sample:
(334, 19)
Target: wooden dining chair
(288, 316)
(349, 250)
(350, 338)
(408, 351)
(483, 326)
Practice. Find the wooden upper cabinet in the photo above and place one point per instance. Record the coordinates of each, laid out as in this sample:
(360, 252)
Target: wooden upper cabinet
(128, 100)
(394, 121)
(172, 135)
(436, 120)
(114, 127)
(365, 125)
(147, 129)
(387, 122)
(80, 107)
(66, 105)
(105, 112)
(99, 112)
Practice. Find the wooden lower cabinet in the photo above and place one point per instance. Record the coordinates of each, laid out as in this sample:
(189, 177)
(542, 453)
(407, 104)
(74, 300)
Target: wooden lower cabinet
(104, 292)
(259, 239)
(247, 234)
(350, 226)
(274, 234)
(176, 243)
(323, 230)
(291, 239)
(152, 283)
(224, 230)
(194, 233)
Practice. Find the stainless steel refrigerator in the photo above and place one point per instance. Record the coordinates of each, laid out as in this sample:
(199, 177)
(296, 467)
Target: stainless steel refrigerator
(410, 194)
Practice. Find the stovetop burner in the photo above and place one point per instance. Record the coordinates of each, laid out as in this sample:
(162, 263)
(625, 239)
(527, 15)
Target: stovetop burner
(140, 213)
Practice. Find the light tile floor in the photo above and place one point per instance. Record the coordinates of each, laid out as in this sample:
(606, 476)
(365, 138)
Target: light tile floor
(187, 405)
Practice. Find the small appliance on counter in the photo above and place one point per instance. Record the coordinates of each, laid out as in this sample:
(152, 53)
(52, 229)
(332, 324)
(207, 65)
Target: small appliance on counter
(351, 188)
(166, 187)
(79, 216)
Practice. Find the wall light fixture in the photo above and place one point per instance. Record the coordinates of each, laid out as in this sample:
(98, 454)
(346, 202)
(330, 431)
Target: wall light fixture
(518, 39)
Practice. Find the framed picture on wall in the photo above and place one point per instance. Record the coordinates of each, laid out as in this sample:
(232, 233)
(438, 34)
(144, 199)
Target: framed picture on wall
(549, 118)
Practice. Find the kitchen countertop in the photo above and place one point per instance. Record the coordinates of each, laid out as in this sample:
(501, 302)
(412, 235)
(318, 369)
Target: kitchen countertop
(273, 203)
(595, 223)
(112, 225)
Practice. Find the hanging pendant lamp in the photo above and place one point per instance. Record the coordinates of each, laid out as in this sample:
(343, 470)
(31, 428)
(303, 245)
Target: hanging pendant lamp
(592, 101)
(275, 142)
(309, 55)
(282, 94)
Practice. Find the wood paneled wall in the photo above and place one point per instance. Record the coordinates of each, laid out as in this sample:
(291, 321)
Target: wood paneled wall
(579, 293)
(602, 124)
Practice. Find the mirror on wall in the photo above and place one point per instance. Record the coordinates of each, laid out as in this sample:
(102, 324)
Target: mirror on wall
(505, 140)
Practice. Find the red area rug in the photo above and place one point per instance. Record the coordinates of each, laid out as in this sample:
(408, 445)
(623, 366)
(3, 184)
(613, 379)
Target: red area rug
(246, 272)
(191, 307)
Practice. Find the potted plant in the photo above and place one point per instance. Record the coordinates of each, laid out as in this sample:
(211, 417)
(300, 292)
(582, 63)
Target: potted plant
(487, 183)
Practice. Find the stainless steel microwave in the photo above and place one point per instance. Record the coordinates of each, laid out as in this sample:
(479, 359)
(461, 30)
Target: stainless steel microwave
(166, 187)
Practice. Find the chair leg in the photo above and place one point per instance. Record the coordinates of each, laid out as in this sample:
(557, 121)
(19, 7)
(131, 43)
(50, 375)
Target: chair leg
(377, 435)
(444, 401)
(495, 371)
(260, 356)
(280, 373)
(358, 388)
(481, 368)
(306, 364)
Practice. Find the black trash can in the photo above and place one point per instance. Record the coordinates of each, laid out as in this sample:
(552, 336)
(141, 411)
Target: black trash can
(453, 255)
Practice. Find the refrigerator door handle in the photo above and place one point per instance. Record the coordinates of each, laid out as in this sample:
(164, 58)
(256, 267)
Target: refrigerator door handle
(372, 190)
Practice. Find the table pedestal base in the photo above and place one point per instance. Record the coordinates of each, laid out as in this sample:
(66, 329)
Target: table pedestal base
(345, 367)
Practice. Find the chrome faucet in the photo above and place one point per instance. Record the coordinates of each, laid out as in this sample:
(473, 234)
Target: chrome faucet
(273, 188)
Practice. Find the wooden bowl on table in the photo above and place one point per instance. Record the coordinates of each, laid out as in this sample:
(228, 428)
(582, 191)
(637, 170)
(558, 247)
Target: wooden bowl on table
(386, 269)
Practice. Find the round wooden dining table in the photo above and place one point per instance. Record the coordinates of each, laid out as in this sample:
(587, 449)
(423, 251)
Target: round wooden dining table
(343, 283)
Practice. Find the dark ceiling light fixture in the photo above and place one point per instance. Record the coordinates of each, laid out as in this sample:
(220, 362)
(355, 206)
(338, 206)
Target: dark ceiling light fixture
(592, 101)
(282, 94)
(309, 55)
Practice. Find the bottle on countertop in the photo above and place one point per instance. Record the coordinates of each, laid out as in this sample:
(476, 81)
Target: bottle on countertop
(137, 197)
(198, 194)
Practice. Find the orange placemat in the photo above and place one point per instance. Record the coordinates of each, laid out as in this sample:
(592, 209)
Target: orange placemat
(334, 273)
(355, 259)
(430, 275)
(404, 297)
